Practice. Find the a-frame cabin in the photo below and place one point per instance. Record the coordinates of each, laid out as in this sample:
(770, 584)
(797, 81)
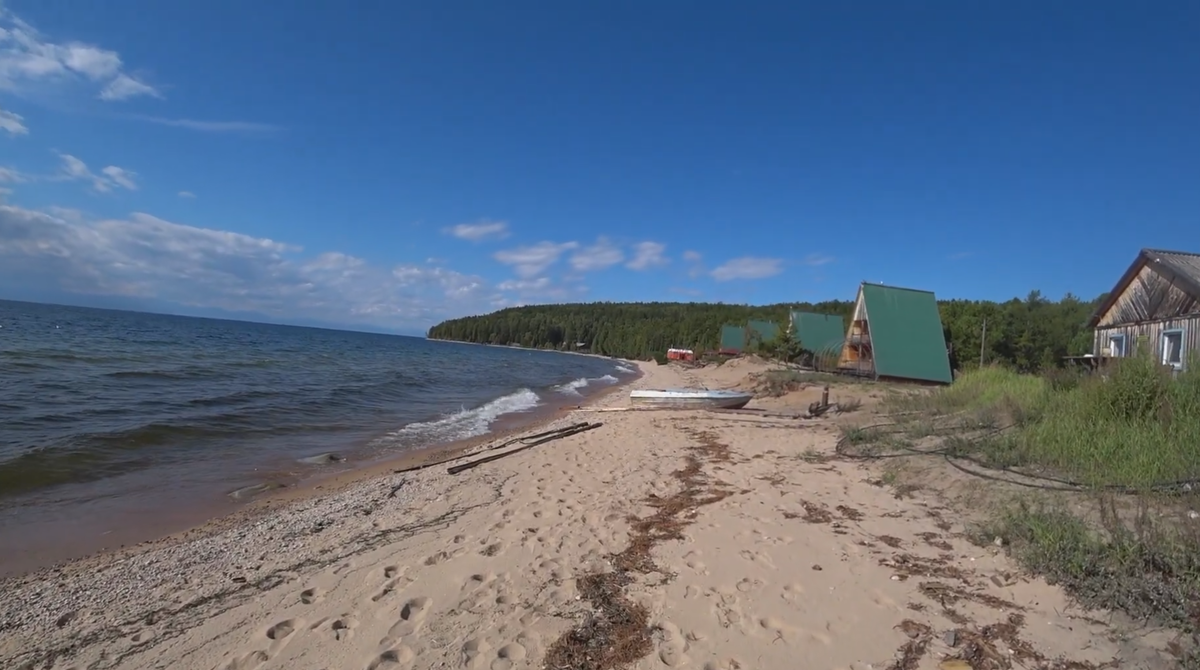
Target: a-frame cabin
(896, 333)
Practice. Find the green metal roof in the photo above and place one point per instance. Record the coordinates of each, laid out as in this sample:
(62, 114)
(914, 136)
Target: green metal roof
(906, 334)
(733, 338)
(765, 331)
(819, 333)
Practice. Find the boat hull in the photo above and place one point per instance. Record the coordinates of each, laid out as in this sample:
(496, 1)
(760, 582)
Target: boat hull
(689, 399)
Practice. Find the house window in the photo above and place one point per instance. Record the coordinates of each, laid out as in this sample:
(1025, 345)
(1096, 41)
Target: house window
(1116, 346)
(1172, 348)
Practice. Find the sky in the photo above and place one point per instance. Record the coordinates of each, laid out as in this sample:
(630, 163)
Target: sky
(385, 165)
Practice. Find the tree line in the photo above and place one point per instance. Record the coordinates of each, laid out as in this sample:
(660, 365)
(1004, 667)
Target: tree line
(1030, 335)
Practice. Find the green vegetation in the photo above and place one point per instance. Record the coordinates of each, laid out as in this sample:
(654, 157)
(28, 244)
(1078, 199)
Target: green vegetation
(1109, 463)
(1028, 335)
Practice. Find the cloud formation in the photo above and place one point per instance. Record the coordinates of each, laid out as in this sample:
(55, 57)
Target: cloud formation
(747, 267)
(647, 255)
(187, 194)
(480, 230)
(243, 127)
(816, 260)
(11, 176)
(530, 261)
(29, 59)
(73, 169)
(12, 123)
(602, 254)
(145, 257)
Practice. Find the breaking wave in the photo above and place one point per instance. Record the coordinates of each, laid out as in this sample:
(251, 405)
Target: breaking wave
(465, 423)
(573, 387)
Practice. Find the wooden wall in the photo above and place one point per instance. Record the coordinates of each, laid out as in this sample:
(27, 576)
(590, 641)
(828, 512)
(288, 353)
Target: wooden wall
(1151, 304)
(1149, 297)
(1152, 332)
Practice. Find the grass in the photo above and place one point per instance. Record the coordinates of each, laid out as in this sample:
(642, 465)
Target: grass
(1126, 439)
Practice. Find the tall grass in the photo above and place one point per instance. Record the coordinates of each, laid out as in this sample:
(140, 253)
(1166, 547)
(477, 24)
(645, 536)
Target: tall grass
(1134, 428)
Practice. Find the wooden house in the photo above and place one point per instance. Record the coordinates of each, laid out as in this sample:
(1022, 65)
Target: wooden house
(1156, 303)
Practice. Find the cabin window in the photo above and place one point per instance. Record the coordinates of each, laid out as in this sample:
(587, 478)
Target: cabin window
(1172, 348)
(1116, 346)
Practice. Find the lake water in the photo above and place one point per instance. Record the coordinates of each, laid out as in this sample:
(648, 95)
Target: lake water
(112, 418)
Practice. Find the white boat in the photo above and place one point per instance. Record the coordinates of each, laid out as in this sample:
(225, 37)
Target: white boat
(689, 398)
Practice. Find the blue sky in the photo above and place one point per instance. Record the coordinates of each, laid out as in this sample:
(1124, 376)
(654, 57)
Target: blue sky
(387, 165)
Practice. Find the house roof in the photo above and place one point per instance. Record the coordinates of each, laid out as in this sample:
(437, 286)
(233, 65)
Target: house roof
(906, 333)
(1180, 266)
(818, 333)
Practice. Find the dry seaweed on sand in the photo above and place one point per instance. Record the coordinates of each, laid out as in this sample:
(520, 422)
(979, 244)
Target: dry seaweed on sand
(909, 655)
(616, 633)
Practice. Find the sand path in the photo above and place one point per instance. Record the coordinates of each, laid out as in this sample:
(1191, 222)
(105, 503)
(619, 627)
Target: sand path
(787, 560)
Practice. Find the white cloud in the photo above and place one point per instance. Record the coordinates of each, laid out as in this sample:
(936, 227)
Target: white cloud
(525, 285)
(125, 87)
(481, 230)
(248, 127)
(121, 177)
(647, 255)
(747, 267)
(186, 194)
(28, 59)
(144, 257)
(530, 261)
(12, 123)
(74, 169)
(815, 260)
(11, 176)
(540, 290)
(692, 256)
(598, 256)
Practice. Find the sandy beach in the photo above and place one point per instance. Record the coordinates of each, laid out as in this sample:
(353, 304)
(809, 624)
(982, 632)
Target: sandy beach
(660, 539)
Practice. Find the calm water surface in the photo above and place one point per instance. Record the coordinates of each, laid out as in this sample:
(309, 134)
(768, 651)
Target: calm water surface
(110, 419)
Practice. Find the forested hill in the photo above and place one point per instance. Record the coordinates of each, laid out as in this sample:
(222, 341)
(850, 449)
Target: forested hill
(1029, 334)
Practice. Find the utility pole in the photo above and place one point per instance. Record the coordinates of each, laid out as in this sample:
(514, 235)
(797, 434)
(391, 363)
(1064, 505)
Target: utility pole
(983, 343)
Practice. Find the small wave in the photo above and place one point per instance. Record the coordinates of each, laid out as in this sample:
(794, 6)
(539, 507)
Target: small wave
(625, 369)
(467, 423)
(572, 387)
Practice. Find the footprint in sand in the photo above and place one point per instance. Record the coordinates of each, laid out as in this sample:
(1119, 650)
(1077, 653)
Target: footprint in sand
(793, 593)
(412, 615)
(281, 630)
(387, 590)
(509, 656)
(492, 549)
(746, 585)
(311, 596)
(391, 572)
(672, 646)
(474, 653)
(443, 556)
(248, 661)
(343, 627)
(392, 658)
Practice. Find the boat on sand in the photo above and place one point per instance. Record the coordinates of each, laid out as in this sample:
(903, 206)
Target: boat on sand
(689, 398)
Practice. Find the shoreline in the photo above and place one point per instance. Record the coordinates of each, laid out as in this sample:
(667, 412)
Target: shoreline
(665, 539)
(310, 487)
(518, 347)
